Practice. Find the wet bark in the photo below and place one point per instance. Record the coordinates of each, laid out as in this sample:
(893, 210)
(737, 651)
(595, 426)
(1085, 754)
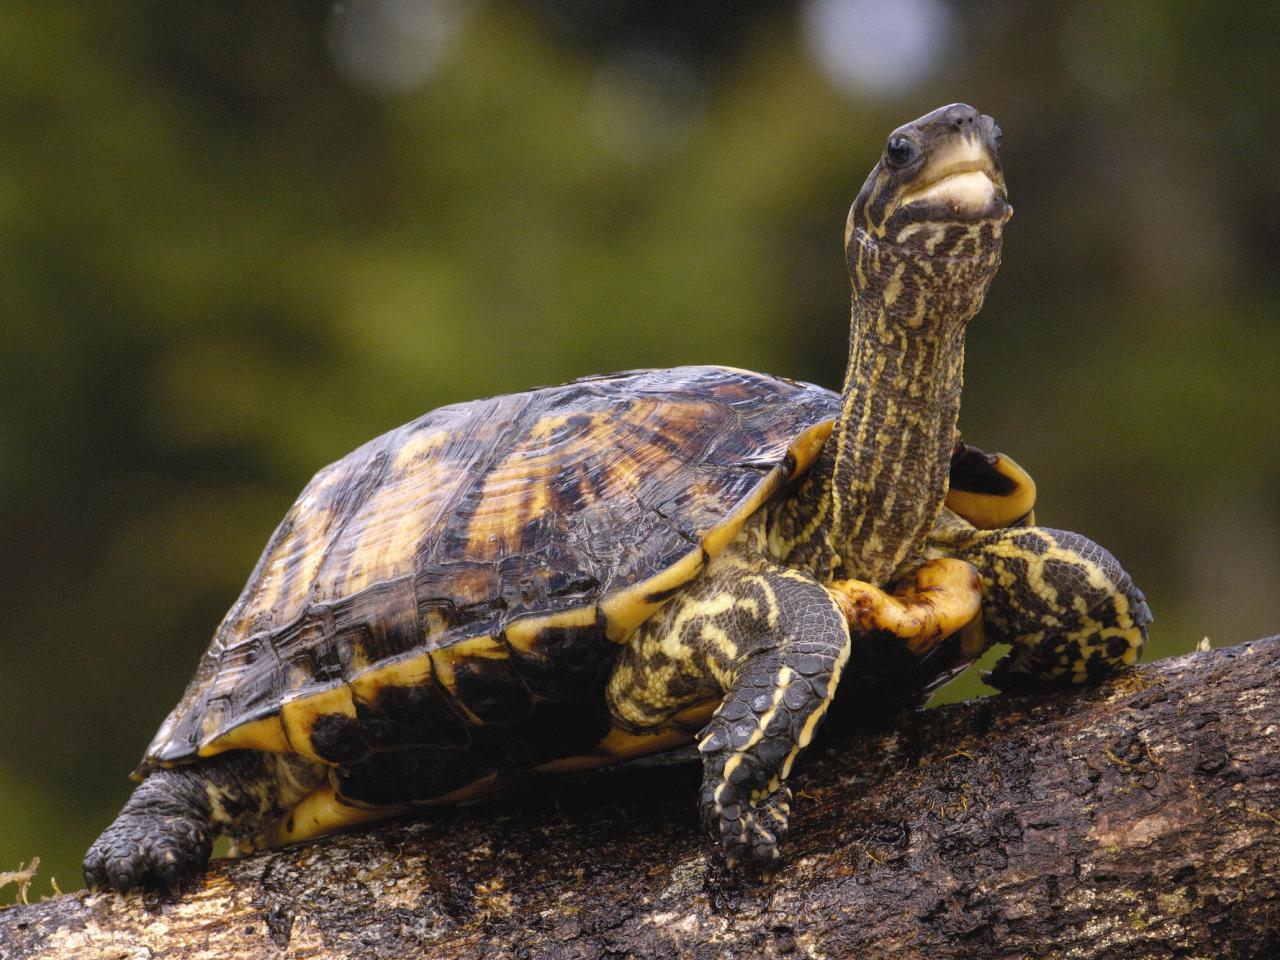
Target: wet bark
(1138, 819)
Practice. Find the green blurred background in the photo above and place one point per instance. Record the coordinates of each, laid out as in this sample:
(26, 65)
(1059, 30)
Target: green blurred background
(239, 239)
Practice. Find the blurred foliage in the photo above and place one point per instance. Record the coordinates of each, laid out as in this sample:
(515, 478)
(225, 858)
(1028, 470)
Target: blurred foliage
(229, 257)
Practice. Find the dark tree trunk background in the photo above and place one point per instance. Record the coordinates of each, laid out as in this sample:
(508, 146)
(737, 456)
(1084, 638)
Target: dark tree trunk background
(1138, 819)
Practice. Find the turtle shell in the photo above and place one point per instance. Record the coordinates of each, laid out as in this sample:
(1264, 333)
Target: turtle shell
(483, 557)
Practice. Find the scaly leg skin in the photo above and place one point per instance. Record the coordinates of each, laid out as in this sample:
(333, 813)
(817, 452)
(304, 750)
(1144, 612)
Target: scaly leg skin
(162, 838)
(781, 690)
(1066, 605)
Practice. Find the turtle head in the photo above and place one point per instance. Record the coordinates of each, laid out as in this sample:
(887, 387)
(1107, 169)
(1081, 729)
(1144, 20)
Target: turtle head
(935, 201)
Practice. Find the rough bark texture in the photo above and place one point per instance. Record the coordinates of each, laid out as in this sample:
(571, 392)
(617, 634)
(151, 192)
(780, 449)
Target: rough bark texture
(1139, 819)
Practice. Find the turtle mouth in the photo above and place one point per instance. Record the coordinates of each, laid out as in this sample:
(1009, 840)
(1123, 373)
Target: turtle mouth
(966, 184)
(964, 192)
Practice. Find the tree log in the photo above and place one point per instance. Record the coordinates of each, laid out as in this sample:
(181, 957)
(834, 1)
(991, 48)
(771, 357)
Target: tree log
(1140, 818)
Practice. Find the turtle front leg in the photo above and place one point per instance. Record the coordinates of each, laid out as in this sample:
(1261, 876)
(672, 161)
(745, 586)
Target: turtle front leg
(780, 684)
(163, 836)
(1066, 605)
(789, 662)
(769, 645)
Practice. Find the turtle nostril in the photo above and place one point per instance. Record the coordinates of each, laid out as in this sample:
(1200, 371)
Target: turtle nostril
(961, 118)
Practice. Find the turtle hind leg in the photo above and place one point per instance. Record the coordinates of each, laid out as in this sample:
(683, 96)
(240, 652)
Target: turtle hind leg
(1066, 605)
(162, 838)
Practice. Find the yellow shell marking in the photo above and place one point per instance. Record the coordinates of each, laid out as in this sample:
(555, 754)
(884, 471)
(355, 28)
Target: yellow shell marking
(621, 744)
(321, 812)
(299, 714)
(291, 562)
(414, 671)
(523, 634)
(444, 659)
(989, 512)
(558, 450)
(264, 734)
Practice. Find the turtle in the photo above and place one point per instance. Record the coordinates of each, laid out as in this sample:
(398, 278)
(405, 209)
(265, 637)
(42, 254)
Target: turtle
(580, 575)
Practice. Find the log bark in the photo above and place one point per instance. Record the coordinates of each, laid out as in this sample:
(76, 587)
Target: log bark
(1137, 819)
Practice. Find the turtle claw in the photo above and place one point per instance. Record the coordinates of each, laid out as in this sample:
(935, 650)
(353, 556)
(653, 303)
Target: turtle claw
(751, 834)
(1006, 678)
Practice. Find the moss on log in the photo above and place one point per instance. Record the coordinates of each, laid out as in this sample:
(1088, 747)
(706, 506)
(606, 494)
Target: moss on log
(1137, 819)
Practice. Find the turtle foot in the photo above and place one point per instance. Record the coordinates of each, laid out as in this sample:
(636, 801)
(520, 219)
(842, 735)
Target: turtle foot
(160, 841)
(148, 853)
(751, 834)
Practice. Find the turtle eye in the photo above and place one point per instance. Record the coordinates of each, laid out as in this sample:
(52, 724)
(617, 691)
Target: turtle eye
(900, 151)
(997, 138)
